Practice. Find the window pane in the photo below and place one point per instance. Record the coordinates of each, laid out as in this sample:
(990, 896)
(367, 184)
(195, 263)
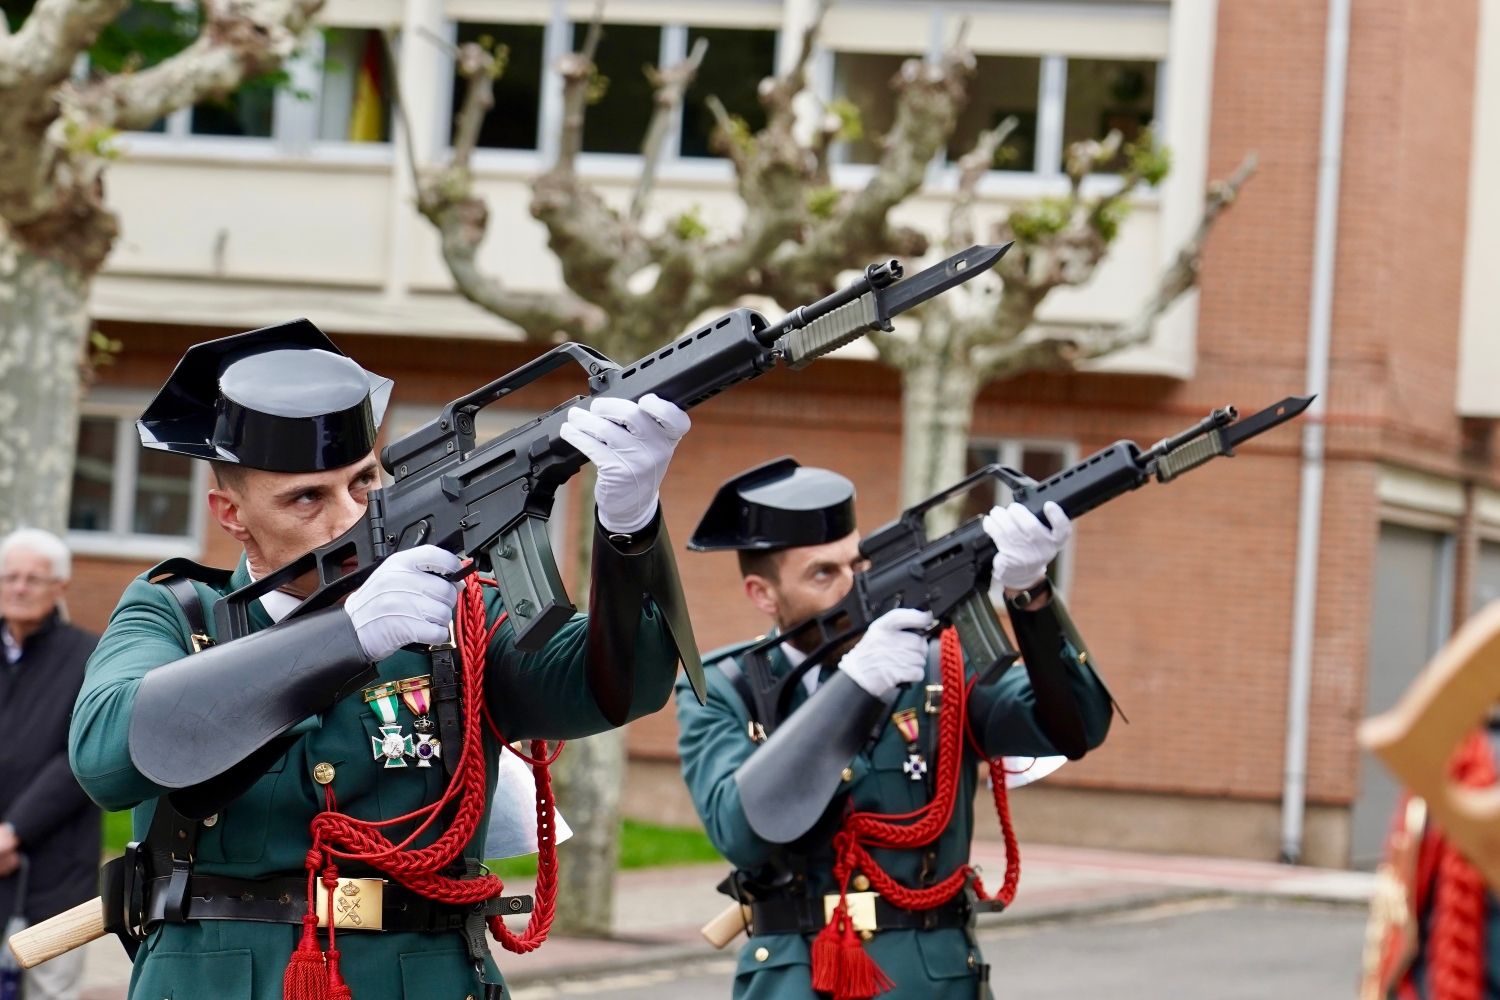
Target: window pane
(1003, 86)
(864, 79)
(617, 123)
(246, 112)
(736, 62)
(93, 475)
(512, 122)
(1107, 94)
(355, 102)
(163, 494)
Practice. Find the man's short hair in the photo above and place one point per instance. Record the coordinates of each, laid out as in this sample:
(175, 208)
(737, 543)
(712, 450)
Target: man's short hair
(229, 475)
(761, 562)
(42, 543)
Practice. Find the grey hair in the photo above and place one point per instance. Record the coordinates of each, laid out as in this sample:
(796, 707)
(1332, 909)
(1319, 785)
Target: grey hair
(42, 543)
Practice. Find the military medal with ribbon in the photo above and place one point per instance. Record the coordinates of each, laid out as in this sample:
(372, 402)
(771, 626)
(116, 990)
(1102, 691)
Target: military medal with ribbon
(393, 745)
(416, 694)
(907, 725)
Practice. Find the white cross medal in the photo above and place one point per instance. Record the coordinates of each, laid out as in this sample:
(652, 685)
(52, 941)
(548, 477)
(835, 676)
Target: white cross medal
(907, 725)
(392, 745)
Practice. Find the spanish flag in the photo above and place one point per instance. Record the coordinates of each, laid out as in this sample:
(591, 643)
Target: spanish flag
(367, 116)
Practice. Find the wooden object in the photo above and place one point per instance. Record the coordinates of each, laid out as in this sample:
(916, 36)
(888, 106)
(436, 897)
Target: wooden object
(56, 935)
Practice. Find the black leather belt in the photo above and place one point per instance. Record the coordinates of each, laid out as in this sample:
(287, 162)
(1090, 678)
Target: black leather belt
(284, 901)
(804, 915)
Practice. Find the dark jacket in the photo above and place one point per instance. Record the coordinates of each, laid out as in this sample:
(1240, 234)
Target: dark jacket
(56, 823)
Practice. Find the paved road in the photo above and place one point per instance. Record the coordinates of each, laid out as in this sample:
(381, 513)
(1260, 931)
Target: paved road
(1220, 949)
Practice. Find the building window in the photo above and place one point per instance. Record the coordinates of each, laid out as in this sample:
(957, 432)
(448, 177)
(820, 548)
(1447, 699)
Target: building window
(248, 112)
(1037, 459)
(1002, 87)
(617, 122)
(128, 500)
(514, 121)
(737, 61)
(354, 103)
(1105, 95)
(864, 80)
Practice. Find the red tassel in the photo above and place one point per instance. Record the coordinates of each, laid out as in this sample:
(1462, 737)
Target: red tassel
(840, 964)
(826, 954)
(337, 988)
(306, 976)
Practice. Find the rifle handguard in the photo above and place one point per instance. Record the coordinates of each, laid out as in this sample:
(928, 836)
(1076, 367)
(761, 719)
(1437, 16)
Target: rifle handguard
(827, 334)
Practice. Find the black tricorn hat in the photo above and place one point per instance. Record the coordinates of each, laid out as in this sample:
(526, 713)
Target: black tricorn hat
(282, 398)
(778, 505)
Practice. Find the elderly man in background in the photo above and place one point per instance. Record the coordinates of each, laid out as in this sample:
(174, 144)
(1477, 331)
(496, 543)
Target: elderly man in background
(47, 823)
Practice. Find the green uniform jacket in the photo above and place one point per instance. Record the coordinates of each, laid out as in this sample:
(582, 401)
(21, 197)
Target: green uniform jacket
(265, 832)
(924, 965)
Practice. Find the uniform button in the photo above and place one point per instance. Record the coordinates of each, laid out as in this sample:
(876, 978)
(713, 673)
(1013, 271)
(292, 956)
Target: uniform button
(866, 935)
(973, 961)
(861, 884)
(323, 775)
(761, 954)
(848, 774)
(212, 820)
(468, 996)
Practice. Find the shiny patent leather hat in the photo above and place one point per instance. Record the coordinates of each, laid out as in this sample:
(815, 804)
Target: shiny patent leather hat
(778, 505)
(282, 398)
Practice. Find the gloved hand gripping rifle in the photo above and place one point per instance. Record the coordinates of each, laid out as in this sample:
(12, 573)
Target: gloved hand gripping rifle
(950, 575)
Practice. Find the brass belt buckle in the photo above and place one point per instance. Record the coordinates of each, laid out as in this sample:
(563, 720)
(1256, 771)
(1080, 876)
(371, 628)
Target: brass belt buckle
(357, 904)
(861, 909)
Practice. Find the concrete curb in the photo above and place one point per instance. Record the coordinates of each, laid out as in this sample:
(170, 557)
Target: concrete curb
(652, 957)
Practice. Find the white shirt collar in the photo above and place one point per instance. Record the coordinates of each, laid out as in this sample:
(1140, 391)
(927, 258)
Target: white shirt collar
(276, 604)
(12, 647)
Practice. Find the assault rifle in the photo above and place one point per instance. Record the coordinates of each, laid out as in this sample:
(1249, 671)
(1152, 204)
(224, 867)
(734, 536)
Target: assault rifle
(950, 575)
(490, 500)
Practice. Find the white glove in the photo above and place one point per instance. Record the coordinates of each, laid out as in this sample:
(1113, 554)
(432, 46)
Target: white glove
(403, 602)
(1025, 544)
(889, 654)
(630, 444)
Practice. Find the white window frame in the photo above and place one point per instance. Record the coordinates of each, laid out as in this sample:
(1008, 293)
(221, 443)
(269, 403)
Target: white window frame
(120, 541)
(1008, 452)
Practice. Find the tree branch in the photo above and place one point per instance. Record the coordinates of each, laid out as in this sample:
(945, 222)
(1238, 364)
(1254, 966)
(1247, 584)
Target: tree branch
(669, 87)
(1063, 349)
(240, 39)
(577, 71)
(41, 54)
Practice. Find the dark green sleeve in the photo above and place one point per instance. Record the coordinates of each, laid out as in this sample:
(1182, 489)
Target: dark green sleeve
(546, 694)
(144, 632)
(1003, 717)
(712, 742)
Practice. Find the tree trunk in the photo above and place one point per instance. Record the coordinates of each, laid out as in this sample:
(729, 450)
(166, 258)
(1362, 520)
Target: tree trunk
(44, 325)
(587, 779)
(587, 782)
(937, 409)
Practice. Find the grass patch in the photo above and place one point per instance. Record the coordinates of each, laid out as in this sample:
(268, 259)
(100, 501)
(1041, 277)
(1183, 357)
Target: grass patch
(642, 845)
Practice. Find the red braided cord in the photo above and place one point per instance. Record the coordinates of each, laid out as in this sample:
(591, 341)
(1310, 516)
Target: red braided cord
(1457, 945)
(338, 835)
(862, 830)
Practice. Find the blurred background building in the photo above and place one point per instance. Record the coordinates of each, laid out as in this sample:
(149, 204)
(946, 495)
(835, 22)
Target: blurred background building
(295, 201)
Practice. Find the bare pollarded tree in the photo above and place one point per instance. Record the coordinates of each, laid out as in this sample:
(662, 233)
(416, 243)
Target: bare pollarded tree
(56, 227)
